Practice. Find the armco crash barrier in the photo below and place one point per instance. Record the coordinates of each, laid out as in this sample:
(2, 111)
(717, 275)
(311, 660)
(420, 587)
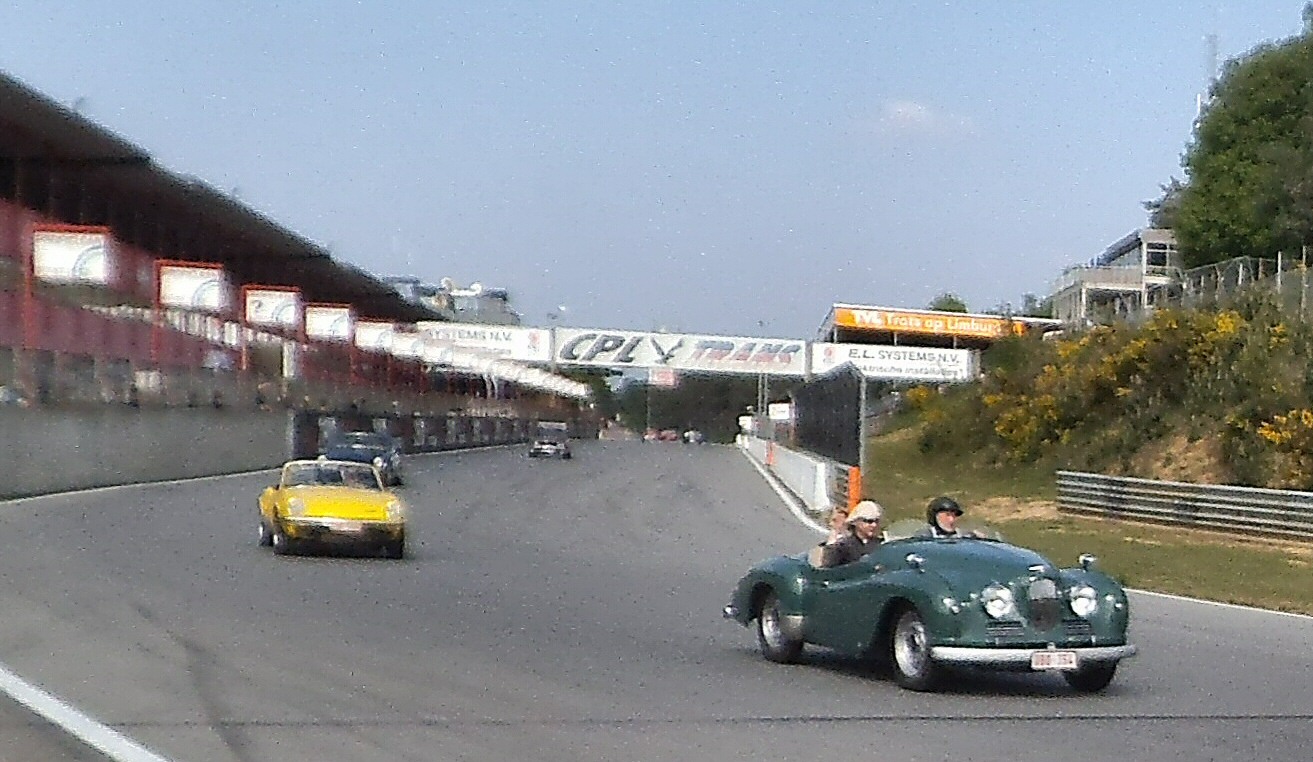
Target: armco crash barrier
(1250, 510)
(55, 450)
(818, 482)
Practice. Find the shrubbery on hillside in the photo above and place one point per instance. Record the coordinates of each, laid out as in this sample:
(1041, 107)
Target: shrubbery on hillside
(1241, 377)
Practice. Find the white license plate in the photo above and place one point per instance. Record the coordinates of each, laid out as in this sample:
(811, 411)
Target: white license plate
(1053, 660)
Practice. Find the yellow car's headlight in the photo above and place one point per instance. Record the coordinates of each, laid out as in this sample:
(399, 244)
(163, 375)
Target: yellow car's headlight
(295, 507)
(396, 511)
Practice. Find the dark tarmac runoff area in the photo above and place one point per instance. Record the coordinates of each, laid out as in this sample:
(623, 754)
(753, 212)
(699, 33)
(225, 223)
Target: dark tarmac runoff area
(552, 610)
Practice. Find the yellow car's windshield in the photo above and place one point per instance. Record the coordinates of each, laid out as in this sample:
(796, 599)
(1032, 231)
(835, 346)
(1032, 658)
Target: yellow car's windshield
(355, 475)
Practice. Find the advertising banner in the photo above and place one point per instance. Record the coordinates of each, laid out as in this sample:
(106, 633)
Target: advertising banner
(896, 363)
(408, 344)
(681, 352)
(508, 342)
(666, 378)
(331, 322)
(193, 287)
(279, 307)
(781, 412)
(936, 323)
(60, 256)
(371, 334)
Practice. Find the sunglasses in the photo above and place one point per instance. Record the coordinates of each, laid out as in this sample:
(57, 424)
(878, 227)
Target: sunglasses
(869, 521)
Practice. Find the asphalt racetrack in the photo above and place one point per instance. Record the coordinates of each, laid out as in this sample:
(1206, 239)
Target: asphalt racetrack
(553, 610)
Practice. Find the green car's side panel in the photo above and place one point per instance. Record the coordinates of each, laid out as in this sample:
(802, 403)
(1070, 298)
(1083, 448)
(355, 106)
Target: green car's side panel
(851, 608)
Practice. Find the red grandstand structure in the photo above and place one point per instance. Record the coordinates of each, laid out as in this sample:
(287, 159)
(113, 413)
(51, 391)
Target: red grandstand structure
(91, 232)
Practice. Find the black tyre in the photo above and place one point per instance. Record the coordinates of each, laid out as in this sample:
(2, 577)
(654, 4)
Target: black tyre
(395, 549)
(775, 645)
(282, 544)
(909, 653)
(266, 537)
(1091, 678)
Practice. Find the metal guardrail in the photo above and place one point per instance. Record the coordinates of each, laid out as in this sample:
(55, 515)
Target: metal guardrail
(1250, 510)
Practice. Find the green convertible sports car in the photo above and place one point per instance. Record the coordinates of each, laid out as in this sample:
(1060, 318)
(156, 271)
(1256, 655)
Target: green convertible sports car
(925, 605)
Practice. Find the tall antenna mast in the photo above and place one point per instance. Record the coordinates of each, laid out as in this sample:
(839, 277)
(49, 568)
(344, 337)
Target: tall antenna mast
(1202, 99)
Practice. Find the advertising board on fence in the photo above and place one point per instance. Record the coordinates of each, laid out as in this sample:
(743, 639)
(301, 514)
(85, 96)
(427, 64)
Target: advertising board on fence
(506, 342)
(65, 256)
(682, 352)
(328, 321)
(896, 363)
(193, 287)
(371, 334)
(271, 306)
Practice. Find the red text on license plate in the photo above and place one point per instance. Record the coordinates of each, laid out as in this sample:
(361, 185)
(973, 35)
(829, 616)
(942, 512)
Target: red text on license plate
(1053, 660)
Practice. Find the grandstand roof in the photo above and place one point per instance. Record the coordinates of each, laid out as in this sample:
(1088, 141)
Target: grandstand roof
(80, 173)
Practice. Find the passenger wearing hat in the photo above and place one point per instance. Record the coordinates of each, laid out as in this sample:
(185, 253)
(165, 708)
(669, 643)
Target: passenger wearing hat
(863, 535)
(942, 514)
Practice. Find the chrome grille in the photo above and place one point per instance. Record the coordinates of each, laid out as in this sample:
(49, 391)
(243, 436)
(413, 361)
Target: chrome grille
(1077, 628)
(1045, 608)
(997, 629)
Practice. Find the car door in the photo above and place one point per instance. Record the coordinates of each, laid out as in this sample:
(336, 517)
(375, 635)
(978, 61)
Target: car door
(833, 592)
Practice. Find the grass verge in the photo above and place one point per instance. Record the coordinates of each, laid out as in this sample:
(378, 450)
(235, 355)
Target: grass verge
(1020, 501)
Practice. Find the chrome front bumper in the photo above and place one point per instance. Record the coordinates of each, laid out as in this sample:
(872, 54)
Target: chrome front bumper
(324, 527)
(1019, 658)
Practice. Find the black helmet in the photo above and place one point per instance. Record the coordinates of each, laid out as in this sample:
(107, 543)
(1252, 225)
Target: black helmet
(939, 505)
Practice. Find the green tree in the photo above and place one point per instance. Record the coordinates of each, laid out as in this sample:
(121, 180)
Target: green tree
(948, 302)
(1250, 163)
(1163, 211)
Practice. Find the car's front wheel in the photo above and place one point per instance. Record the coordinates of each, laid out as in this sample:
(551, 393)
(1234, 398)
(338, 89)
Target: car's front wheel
(281, 542)
(775, 644)
(395, 549)
(1091, 678)
(910, 653)
(266, 536)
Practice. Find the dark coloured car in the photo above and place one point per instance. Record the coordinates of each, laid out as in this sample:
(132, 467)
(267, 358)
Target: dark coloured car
(381, 449)
(926, 606)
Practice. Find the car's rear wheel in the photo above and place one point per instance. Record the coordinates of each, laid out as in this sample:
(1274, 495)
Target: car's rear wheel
(266, 536)
(281, 542)
(1091, 678)
(910, 653)
(775, 644)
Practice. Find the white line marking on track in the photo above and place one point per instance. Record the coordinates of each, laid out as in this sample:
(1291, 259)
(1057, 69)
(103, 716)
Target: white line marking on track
(789, 500)
(98, 736)
(1188, 599)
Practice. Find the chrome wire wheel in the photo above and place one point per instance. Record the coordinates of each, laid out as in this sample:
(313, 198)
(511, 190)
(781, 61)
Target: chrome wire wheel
(775, 644)
(913, 667)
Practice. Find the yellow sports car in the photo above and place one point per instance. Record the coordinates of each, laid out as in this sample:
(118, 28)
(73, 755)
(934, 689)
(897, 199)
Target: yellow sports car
(332, 502)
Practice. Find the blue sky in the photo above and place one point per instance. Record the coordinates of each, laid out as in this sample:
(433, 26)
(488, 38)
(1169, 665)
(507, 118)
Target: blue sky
(711, 167)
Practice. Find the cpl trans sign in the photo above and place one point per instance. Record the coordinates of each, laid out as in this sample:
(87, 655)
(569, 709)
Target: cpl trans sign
(896, 363)
(681, 352)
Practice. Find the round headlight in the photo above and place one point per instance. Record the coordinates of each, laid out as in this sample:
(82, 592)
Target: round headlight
(378, 462)
(1084, 600)
(999, 601)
